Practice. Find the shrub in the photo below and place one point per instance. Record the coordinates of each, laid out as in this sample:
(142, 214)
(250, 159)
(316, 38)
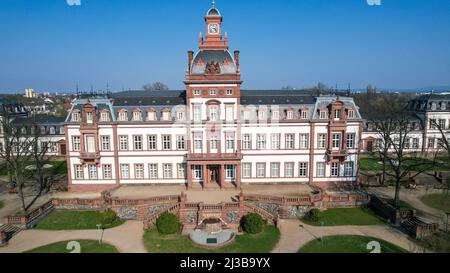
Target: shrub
(313, 215)
(108, 217)
(252, 223)
(167, 223)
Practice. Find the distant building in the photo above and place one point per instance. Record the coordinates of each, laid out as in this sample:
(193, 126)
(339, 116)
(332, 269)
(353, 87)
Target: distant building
(29, 93)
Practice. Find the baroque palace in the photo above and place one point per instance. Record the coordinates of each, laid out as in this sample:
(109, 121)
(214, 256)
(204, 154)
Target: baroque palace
(212, 134)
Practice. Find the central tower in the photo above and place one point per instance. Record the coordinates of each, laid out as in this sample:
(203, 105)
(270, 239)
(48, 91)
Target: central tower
(213, 90)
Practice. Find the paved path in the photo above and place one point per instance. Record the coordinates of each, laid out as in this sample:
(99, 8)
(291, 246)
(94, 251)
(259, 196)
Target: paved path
(293, 236)
(127, 238)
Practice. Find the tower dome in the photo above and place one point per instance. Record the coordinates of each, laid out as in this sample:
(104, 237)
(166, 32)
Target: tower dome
(213, 11)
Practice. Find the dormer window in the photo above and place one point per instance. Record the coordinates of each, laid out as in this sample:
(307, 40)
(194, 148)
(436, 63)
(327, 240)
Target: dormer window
(24, 131)
(304, 114)
(42, 130)
(52, 130)
(61, 131)
(290, 114)
(337, 114)
(322, 115)
(443, 106)
(180, 116)
(137, 115)
(151, 115)
(262, 114)
(165, 115)
(76, 117)
(351, 114)
(123, 115)
(229, 92)
(104, 116)
(89, 117)
(213, 92)
(275, 115)
(433, 106)
(196, 92)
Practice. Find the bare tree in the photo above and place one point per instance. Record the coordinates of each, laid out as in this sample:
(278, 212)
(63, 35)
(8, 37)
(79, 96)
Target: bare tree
(156, 86)
(25, 161)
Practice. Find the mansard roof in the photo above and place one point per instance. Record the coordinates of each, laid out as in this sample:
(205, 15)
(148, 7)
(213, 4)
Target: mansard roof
(430, 102)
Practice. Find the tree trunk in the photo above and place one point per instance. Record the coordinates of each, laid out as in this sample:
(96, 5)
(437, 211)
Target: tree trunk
(397, 193)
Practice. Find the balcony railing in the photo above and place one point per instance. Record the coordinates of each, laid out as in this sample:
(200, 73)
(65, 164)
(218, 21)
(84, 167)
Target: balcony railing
(213, 156)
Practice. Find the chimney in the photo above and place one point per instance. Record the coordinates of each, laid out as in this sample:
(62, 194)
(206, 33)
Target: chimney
(190, 58)
(236, 58)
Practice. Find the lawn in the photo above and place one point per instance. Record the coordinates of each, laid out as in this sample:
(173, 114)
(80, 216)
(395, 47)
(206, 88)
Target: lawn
(348, 244)
(423, 164)
(346, 217)
(437, 201)
(177, 243)
(73, 220)
(87, 246)
(59, 167)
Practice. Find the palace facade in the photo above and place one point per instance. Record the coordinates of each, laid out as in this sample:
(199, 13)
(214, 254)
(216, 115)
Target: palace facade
(212, 134)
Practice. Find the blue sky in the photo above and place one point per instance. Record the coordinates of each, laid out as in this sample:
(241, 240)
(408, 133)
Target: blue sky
(51, 46)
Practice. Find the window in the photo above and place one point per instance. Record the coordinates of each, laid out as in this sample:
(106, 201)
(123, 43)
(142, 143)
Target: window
(275, 169)
(153, 170)
(275, 141)
(289, 169)
(197, 113)
(290, 141)
(180, 116)
(151, 115)
(42, 130)
(196, 92)
(261, 142)
(180, 142)
(76, 143)
(166, 115)
(61, 130)
(213, 92)
(52, 130)
(432, 123)
(167, 142)
(125, 171)
(79, 174)
(262, 114)
(350, 141)
(229, 112)
(229, 92)
(290, 115)
(139, 171)
(320, 169)
(92, 172)
(104, 116)
(213, 113)
(441, 124)
(351, 114)
(213, 143)
(337, 114)
(304, 141)
(348, 169)
(107, 172)
(137, 116)
(335, 169)
(152, 142)
(246, 170)
(261, 169)
(197, 172)
(275, 115)
(181, 171)
(323, 115)
(431, 142)
(90, 144)
(304, 114)
(106, 146)
(230, 142)
(303, 169)
(123, 143)
(76, 117)
(123, 116)
(137, 143)
(246, 142)
(415, 144)
(230, 171)
(322, 141)
(336, 140)
(198, 142)
(89, 117)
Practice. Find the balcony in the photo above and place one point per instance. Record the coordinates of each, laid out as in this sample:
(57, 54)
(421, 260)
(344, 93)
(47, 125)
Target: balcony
(337, 154)
(90, 157)
(214, 156)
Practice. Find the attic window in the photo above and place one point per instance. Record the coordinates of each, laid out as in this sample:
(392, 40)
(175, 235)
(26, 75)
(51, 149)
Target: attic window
(290, 114)
(76, 117)
(322, 115)
(137, 115)
(123, 116)
(104, 116)
(351, 114)
(89, 117)
(304, 114)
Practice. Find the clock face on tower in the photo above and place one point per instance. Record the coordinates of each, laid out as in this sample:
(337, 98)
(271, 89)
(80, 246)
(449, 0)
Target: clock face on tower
(213, 29)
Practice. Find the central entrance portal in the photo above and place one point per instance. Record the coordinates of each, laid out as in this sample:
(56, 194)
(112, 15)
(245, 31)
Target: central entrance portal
(214, 174)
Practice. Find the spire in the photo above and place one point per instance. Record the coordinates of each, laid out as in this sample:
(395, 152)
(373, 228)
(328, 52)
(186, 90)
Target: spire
(213, 4)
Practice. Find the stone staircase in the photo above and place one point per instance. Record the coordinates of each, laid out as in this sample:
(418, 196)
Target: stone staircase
(7, 232)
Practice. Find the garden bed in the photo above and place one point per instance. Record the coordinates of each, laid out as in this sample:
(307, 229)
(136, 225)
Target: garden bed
(74, 220)
(87, 246)
(346, 217)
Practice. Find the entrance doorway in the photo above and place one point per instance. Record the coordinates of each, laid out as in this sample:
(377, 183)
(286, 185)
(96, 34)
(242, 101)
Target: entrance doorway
(214, 173)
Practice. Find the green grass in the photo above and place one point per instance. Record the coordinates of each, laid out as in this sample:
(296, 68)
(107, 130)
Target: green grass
(423, 164)
(348, 244)
(370, 165)
(177, 243)
(73, 220)
(437, 201)
(59, 168)
(1, 204)
(346, 217)
(87, 246)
